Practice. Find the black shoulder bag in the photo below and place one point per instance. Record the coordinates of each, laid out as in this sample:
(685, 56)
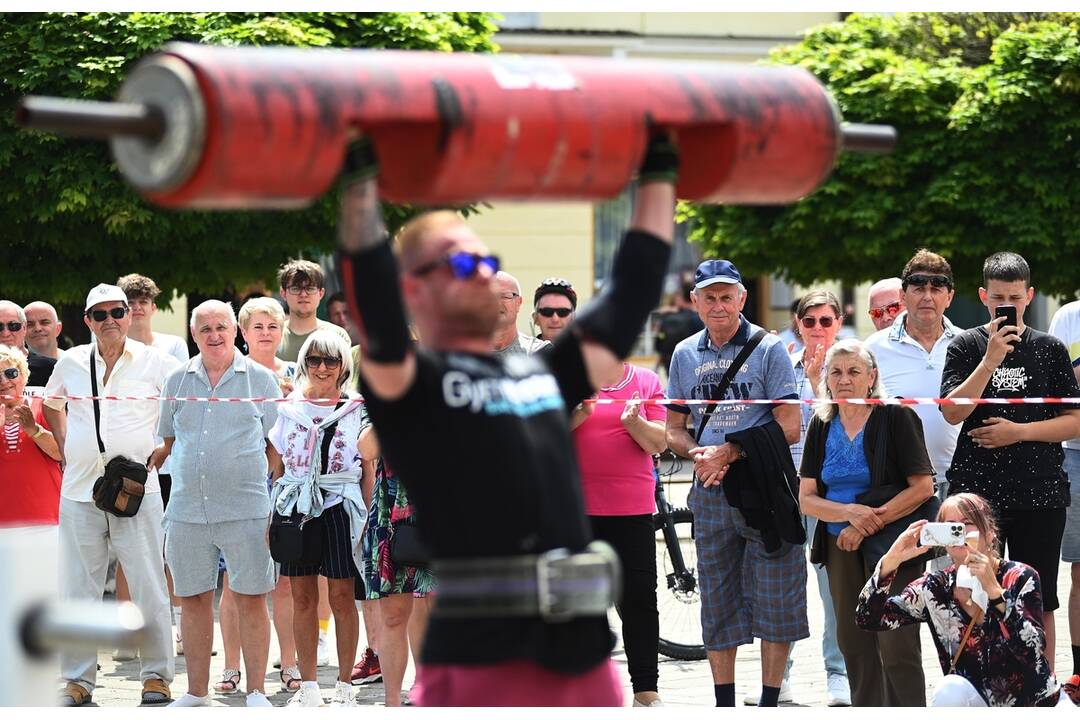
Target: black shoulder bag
(292, 540)
(721, 388)
(406, 547)
(120, 490)
(879, 543)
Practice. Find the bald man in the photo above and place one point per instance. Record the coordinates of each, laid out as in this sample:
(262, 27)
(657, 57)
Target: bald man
(507, 339)
(43, 329)
(884, 302)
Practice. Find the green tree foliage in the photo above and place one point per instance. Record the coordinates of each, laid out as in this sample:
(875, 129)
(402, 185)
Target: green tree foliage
(988, 110)
(69, 220)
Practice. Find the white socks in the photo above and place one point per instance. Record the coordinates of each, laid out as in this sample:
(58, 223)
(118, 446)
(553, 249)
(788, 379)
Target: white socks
(257, 699)
(189, 700)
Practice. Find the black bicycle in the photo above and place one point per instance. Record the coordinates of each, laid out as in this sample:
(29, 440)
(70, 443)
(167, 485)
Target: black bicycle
(677, 599)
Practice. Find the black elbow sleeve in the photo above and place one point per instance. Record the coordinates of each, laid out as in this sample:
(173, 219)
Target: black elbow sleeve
(369, 279)
(615, 318)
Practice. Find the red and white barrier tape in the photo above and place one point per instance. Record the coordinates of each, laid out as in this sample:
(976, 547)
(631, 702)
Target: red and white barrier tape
(612, 401)
(155, 398)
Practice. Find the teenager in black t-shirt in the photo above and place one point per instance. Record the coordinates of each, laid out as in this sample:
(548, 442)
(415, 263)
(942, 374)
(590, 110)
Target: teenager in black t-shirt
(1011, 454)
(482, 443)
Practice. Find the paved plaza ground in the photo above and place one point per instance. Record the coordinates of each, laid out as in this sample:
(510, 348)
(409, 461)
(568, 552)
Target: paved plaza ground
(682, 683)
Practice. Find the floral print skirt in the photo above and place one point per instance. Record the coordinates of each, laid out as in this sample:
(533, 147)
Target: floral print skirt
(381, 577)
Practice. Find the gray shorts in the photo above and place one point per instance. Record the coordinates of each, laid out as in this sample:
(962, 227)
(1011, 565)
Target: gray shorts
(1070, 543)
(192, 551)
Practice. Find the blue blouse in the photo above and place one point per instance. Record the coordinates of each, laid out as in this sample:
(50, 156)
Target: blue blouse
(845, 472)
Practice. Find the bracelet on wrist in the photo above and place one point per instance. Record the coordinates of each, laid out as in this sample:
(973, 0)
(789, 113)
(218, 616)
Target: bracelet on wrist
(38, 431)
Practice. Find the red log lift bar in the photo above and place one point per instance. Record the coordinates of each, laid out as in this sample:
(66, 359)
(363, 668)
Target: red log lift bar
(210, 127)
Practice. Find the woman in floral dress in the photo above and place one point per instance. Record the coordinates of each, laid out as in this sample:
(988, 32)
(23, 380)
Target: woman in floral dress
(401, 591)
(991, 657)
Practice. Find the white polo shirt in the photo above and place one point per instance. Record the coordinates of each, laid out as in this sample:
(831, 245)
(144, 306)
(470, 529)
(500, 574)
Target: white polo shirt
(907, 370)
(127, 426)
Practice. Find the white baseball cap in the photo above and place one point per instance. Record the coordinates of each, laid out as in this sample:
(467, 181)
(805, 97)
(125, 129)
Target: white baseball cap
(104, 293)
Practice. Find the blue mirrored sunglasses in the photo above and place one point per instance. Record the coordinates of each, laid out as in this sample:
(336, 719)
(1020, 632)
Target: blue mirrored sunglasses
(462, 265)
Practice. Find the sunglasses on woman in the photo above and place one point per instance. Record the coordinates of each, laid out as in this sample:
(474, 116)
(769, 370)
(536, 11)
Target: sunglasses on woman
(809, 322)
(12, 326)
(462, 265)
(10, 373)
(550, 311)
(891, 308)
(100, 315)
(937, 281)
(313, 361)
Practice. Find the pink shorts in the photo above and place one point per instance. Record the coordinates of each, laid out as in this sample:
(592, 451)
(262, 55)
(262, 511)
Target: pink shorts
(515, 683)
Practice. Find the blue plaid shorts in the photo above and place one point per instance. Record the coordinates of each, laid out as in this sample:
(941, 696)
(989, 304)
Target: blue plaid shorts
(746, 593)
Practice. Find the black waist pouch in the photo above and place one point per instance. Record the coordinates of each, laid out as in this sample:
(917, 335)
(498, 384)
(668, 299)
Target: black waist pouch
(121, 489)
(406, 548)
(293, 543)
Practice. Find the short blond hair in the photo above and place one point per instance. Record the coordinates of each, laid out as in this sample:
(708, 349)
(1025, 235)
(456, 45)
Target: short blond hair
(14, 356)
(267, 305)
(409, 242)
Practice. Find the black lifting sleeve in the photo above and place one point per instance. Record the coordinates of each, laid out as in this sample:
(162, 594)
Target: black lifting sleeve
(615, 318)
(369, 279)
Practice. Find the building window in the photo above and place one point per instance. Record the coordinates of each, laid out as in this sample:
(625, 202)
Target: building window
(610, 221)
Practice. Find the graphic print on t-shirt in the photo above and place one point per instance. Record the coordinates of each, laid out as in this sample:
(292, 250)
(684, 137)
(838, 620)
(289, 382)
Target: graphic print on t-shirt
(501, 395)
(1009, 379)
(709, 374)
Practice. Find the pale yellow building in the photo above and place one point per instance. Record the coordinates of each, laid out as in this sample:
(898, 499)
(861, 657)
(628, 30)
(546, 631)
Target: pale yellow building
(575, 240)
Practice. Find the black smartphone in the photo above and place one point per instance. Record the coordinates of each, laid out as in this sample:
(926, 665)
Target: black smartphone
(1009, 313)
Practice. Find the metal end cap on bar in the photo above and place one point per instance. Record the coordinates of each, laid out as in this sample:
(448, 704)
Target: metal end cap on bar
(90, 118)
(864, 138)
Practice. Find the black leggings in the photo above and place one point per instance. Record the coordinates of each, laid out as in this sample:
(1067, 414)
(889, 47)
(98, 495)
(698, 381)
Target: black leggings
(634, 541)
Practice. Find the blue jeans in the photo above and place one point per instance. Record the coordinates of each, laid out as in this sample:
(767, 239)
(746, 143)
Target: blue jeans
(830, 649)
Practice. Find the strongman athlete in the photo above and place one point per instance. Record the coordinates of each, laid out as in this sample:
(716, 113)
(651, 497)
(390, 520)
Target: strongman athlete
(483, 445)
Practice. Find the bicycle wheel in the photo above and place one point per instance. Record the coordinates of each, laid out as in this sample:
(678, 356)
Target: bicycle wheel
(678, 601)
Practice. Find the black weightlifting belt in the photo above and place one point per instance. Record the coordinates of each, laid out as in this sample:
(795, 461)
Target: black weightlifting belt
(556, 585)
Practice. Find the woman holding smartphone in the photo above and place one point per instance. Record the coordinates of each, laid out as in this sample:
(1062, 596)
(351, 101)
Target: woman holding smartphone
(992, 656)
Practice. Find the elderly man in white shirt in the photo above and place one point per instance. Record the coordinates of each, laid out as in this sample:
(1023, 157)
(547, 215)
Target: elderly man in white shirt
(911, 352)
(124, 367)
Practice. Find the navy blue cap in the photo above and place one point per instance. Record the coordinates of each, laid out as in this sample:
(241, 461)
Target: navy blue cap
(716, 271)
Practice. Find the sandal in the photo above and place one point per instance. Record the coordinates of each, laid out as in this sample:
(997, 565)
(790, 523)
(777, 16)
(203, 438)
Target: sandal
(290, 678)
(229, 683)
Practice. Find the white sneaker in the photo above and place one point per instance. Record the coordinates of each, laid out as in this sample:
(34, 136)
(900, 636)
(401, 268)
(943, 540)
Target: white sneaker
(837, 692)
(189, 700)
(323, 652)
(308, 695)
(257, 699)
(753, 698)
(655, 703)
(343, 695)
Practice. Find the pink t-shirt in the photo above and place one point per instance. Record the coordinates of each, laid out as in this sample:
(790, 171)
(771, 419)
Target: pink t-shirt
(616, 474)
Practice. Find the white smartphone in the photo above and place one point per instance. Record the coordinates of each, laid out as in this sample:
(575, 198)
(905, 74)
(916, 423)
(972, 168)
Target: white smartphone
(942, 534)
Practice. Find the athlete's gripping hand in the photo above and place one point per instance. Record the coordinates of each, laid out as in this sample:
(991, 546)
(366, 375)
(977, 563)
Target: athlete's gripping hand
(360, 220)
(360, 162)
(661, 161)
